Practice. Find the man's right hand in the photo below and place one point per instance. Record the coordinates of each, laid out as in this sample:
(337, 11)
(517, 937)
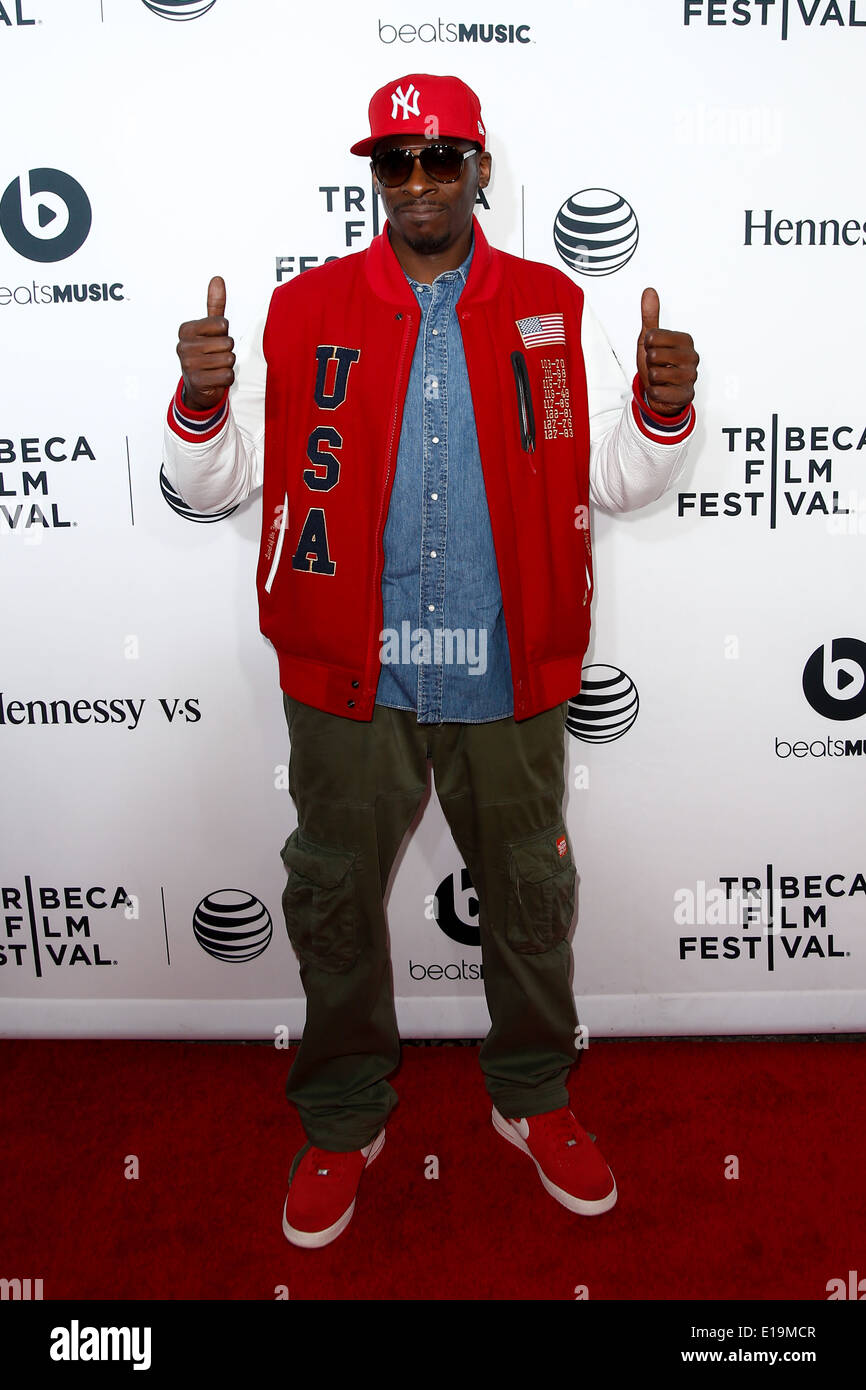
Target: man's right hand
(205, 351)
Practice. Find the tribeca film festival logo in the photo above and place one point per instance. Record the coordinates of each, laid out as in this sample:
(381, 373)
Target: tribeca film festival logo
(834, 684)
(790, 472)
(781, 14)
(444, 31)
(595, 231)
(179, 9)
(12, 14)
(232, 925)
(359, 210)
(606, 707)
(25, 508)
(769, 920)
(45, 216)
(51, 926)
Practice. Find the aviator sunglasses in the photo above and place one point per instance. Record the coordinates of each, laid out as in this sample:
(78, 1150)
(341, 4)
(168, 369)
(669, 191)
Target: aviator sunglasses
(444, 163)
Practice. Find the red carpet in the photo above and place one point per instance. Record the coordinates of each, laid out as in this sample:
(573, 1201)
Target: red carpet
(214, 1137)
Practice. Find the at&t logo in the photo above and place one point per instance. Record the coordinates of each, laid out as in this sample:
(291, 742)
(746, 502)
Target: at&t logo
(595, 231)
(179, 9)
(606, 707)
(232, 925)
(45, 215)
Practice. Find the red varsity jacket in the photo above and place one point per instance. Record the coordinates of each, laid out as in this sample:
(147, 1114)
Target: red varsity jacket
(339, 343)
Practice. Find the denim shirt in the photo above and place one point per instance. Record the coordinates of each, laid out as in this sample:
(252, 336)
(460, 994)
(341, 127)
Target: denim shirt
(443, 647)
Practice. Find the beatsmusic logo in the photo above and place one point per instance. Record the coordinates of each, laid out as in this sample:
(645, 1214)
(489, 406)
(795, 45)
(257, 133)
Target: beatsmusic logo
(834, 683)
(595, 231)
(179, 9)
(49, 218)
(834, 679)
(442, 31)
(787, 471)
(455, 909)
(606, 707)
(781, 14)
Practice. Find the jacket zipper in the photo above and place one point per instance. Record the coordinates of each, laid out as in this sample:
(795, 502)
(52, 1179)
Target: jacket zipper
(525, 412)
(398, 402)
(279, 546)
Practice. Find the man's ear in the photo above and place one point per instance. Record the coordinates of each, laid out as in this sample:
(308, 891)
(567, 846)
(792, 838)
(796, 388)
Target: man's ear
(485, 163)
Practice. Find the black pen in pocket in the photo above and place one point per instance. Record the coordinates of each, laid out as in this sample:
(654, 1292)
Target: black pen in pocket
(526, 415)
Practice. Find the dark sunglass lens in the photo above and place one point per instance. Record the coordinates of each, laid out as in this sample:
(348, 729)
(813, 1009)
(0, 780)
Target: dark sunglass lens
(443, 162)
(393, 167)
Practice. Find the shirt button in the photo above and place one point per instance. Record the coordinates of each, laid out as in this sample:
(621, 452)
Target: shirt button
(435, 439)
(432, 554)
(435, 496)
(435, 332)
(431, 608)
(355, 684)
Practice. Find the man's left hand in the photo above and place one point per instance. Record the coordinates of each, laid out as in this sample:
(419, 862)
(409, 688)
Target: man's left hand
(666, 361)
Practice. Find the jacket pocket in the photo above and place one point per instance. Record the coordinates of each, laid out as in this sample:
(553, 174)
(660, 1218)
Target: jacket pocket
(525, 412)
(319, 903)
(541, 891)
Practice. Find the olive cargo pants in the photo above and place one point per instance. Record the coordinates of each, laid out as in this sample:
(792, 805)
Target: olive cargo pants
(357, 786)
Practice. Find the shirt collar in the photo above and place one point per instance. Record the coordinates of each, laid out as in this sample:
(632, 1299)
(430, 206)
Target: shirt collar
(461, 270)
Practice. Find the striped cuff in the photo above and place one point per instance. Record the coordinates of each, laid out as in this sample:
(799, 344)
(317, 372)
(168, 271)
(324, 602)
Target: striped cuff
(196, 426)
(661, 429)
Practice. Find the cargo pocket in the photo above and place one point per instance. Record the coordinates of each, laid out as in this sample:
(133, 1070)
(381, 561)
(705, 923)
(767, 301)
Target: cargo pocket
(319, 903)
(541, 891)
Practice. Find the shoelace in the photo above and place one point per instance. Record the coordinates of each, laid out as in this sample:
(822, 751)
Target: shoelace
(561, 1124)
(328, 1164)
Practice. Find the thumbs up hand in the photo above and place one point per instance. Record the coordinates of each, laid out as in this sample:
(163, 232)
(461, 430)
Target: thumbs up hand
(666, 361)
(205, 351)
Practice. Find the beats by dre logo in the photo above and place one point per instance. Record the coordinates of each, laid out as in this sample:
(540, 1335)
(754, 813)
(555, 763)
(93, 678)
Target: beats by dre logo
(45, 215)
(453, 908)
(834, 679)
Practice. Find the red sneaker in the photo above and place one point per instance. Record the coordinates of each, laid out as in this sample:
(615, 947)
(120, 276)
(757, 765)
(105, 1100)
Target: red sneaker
(322, 1190)
(570, 1166)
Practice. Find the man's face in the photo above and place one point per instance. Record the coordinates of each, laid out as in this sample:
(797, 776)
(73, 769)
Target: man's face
(430, 216)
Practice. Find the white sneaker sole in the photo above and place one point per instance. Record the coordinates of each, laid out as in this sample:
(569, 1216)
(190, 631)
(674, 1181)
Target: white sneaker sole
(582, 1205)
(314, 1240)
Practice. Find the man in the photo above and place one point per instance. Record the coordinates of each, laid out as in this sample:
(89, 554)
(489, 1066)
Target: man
(429, 419)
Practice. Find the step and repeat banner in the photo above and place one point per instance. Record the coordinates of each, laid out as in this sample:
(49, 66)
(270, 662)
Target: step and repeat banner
(715, 755)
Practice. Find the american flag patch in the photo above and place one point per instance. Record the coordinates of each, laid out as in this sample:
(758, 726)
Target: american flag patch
(541, 330)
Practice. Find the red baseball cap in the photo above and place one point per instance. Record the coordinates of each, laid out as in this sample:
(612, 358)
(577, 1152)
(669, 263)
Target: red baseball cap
(424, 104)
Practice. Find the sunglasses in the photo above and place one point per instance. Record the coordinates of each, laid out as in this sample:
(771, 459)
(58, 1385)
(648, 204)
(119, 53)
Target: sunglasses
(444, 163)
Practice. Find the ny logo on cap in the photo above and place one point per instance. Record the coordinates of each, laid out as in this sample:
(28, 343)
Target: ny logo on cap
(408, 102)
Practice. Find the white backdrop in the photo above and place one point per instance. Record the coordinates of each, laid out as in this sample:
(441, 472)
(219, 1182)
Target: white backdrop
(217, 141)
